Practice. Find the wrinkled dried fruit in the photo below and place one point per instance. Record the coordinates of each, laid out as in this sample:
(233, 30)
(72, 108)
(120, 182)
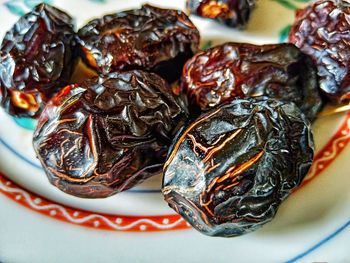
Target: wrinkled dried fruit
(150, 38)
(234, 13)
(108, 134)
(322, 30)
(233, 70)
(229, 170)
(35, 60)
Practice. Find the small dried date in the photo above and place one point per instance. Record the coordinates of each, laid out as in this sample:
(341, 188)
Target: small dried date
(228, 171)
(150, 38)
(108, 134)
(233, 70)
(234, 13)
(322, 30)
(36, 60)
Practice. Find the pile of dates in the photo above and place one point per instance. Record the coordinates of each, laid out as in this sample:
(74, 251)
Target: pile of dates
(228, 127)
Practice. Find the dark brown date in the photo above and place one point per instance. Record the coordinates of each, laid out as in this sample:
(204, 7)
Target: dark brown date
(321, 30)
(233, 13)
(108, 134)
(228, 171)
(36, 60)
(233, 70)
(150, 38)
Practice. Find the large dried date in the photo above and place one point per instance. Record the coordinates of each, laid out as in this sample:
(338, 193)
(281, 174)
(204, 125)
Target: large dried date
(322, 30)
(234, 13)
(108, 134)
(150, 38)
(232, 70)
(35, 60)
(229, 170)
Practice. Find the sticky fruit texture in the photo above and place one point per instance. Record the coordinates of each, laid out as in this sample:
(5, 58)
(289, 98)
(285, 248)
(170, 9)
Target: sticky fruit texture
(238, 70)
(233, 13)
(229, 170)
(322, 30)
(150, 38)
(108, 134)
(36, 60)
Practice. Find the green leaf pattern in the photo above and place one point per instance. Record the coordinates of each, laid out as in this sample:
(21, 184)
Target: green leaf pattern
(26, 123)
(283, 34)
(20, 7)
(291, 5)
(99, 1)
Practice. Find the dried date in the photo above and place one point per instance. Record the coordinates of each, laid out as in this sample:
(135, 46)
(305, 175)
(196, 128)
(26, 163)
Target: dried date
(108, 134)
(322, 30)
(150, 38)
(36, 60)
(232, 70)
(228, 171)
(234, 13)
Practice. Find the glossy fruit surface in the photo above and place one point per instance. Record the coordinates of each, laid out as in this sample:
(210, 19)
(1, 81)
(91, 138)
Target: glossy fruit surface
(229, 170)
(322, 30)
(36, 60)
(150, 38)
(225, 72)
(108, 134)
(234, 13)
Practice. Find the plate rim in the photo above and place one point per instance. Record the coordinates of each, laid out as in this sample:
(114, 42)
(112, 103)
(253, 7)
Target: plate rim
(118, 222)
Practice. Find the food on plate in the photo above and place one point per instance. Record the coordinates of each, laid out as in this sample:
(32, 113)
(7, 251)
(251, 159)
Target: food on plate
(233, 13)
(225, 72)
(150, 38)
(322, 30)
(36, 60)
(228, 171)
(107, 134)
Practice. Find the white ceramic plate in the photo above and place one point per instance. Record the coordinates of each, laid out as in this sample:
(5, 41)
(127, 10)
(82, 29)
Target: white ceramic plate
(38, 223)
